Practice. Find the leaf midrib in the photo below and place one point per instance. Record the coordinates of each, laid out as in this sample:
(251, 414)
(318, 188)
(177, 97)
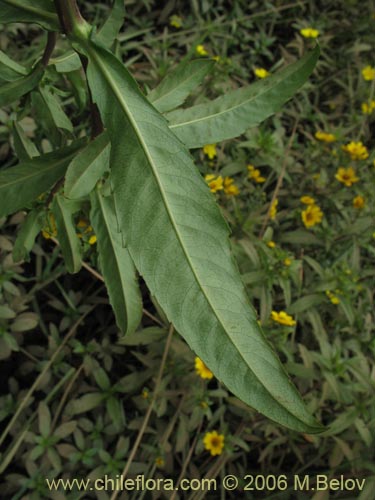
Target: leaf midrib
(103, 68)
(31, 9)
(227, 110)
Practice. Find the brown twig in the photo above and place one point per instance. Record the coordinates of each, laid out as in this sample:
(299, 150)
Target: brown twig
(51, 42)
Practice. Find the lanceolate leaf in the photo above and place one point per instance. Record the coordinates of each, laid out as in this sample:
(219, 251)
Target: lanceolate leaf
(177, 85)
(116, 264)
(12, 91)
(230, 115)
(22, 184)
(23, 146)
(10, 70)
(26, 236)
(29, 11)
(87, 168)
(110, 29)
(178, 240)
(55, 110)
(66, 233)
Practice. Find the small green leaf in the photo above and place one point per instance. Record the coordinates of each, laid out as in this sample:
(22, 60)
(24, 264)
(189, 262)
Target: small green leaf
(57, 114)
(10, 70)
(23, 146)
(230, 115)
(67, 62)
(177, 85)
(116, 264)
(26, 236)
(41, 12)
(11, 91)
(87, 402)
(66, 233)
(111, 27)
(87, 168)
(23, 183)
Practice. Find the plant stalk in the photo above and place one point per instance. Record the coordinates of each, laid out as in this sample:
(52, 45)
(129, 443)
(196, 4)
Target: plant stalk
(70, 16)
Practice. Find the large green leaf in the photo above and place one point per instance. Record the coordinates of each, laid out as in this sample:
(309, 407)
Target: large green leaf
(230, 115)
(62, 210)
(41, 12)
(112, 25)
(179, 242)
(177, 85)
(87, 168)
(116, 264)
(11, 91)
(23, 183)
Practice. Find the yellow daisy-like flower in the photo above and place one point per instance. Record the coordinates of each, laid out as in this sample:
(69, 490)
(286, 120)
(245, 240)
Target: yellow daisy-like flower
(254, 174)
(271, 244)
(230, 189)
(175, 21)
(273, 209)
(287, 262)
(358, 202)
(368, 73)
(307, 200)
(201, 51)
(210, 151)
(202, 370)
(214, 183)
(214, 442)
(368, 107)
(283, 318)
(261, 72)
(50, 230)
(159, 462)
(309, 32)
(332, 297)
(356, 150)
(312, 216)
(92, 239)
(347, 176)
(324, 136)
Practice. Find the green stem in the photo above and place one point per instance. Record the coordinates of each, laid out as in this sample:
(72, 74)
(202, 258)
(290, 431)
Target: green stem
(70, 17)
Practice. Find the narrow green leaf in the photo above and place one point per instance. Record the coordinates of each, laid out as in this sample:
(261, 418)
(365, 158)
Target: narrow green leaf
(23, 146)
(11, 91)
(177, 85)
(116, 264)
(23, 183)
(55, 109)
(41, 12)
(230, 115)
(66, 233)
(67, 62)
(10, 70)
(111, 27)
(26, 236)
(179, 242)
(87, 168)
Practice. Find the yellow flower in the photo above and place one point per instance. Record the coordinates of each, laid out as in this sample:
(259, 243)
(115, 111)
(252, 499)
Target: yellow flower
(230, 189)
(324, 136)
(358, 202)
(175, 21)
(214, 442)
(210, 151)
(159, 462)
(307, 200)
(261, 72)
(368, 108)
(347, 176)
(283, 318)
(271, 244)
(50, 230)
(356, 150)
(82, 223)
(215, 183)
(202, 370)
(368, 73)
(254, 174)
(145, 393)
(273, 209)
(309, 32)
(92, 240)
(312, 215)
(287, 262)
(332, 297)
(216, 58)
(201, 51)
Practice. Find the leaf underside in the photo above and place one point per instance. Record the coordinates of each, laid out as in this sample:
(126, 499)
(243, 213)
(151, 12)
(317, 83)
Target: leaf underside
(41, 12)
(179, 242)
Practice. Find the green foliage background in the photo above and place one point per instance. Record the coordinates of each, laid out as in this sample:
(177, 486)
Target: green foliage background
(82, 418)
